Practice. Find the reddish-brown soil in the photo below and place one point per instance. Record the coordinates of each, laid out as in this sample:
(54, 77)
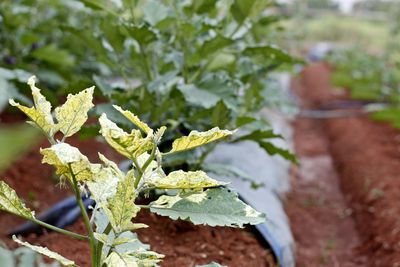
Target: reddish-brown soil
(182, 243)
(366, 157)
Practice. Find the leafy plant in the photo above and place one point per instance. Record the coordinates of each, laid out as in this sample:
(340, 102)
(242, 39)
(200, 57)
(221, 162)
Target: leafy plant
(192, 195)
(371, 78)
(203, 63)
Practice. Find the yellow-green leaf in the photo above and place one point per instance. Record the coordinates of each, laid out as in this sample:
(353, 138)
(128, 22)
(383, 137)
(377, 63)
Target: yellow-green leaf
(40, 113)
(104, 184)
(10, 202)
(133, 259)
(130, 145)
(45, 251)
(120, 209)
(196, 139)
(134, 119)
(121, 260)
(185, 180)
(65, 158)
(73, 114)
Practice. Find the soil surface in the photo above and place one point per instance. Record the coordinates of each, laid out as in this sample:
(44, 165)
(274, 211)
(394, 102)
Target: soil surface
(344, 208)
(182, 243)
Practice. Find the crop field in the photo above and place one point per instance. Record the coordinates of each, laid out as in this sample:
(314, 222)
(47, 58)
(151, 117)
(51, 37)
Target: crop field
(140, 133)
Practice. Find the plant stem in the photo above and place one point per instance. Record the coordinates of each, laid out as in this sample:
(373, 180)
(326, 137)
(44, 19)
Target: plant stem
(59, 230)
(146, 63)
(89, 229)
(144, 167)
(100, 244)
(137, 166)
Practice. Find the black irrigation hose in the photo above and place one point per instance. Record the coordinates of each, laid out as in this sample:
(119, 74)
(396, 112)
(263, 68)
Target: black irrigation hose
(62, 214)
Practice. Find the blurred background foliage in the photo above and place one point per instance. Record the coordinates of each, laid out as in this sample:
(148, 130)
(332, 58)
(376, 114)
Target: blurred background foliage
(188, 65)
(364, 45)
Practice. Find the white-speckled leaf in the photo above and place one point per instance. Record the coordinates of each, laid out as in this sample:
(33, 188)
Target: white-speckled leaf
(214, 207)
(63, 156)
(134, 119)
(73, 114)
(40, 113)
(121, 260)
(130, 145)
(196, 139)
(104, 184)
(185, 180)
(133, 259)
(45, 251)
(10, 202)
(121, 208)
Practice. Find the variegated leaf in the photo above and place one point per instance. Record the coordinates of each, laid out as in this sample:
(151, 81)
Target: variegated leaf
(104, 184)
(145, 258)
(66, 158)
(10, 202)
(73, 114)
(45, 251)
(134, 119)
(196, 139)
(120, 209)
(40, 113)
(214, 207)
(130, 145)
(185, 180)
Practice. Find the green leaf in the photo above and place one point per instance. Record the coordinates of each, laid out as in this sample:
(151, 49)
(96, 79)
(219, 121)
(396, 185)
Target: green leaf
(54, 55)
(221, 115)
(23, 138)
(198, 97)
(204, 6)
(185, 180)
(45, 251)
(143, 34)
(259, 135)
(105, 88)
(390, 114)
(226, 170)
(10, 202)
(274, 150)
(40, 113)
(221, 61)
(154, 12)
(211, 46)
(130, 145)
(214, 207)
(196, 139)
(267, 52)
(134, 119)
(241, 9)
(120, 209)
(73, 114)
(66, 158)
(103, 5)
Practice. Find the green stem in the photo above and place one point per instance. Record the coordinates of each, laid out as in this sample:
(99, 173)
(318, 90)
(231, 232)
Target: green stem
(145, 165)
(137, 166)
(59, 230)
(100, 244)
(89, 229)
(146, 63)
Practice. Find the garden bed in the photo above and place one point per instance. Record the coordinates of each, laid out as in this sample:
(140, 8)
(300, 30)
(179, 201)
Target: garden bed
(182, 243)
(367, 158)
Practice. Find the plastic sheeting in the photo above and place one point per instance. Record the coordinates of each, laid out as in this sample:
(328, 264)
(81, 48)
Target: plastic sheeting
(274, 172)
